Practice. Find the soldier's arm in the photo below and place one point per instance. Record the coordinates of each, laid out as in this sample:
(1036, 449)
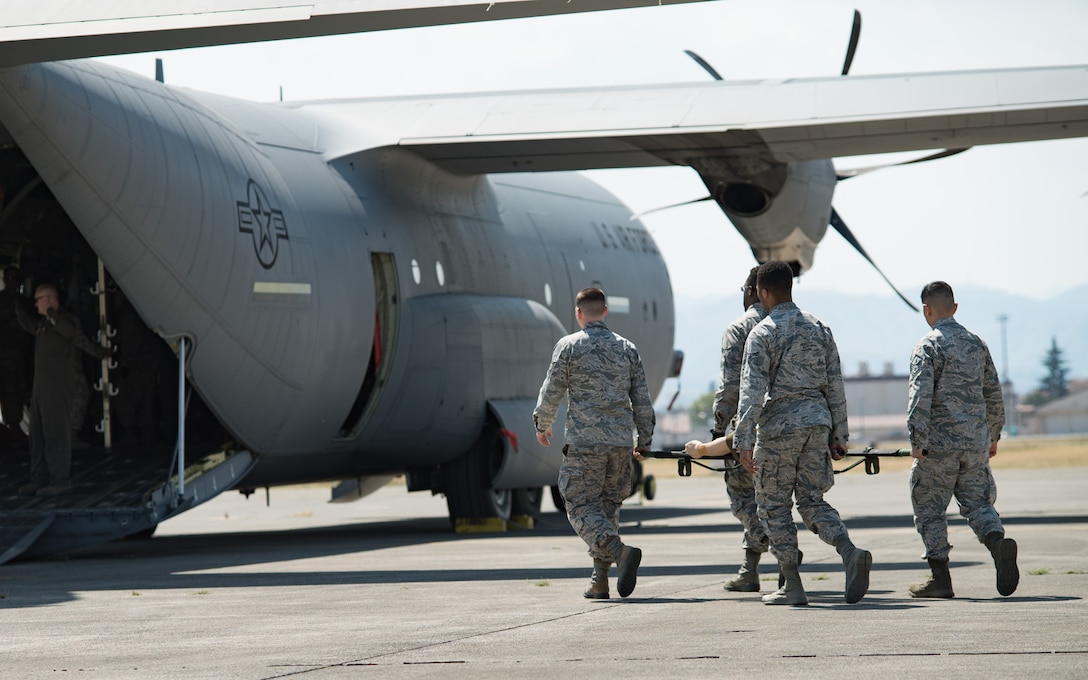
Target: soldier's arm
(727, 396)
(836, 395)
(552, 391)
(995, 402)
(754, 378)
(919, 396)
(641, 405)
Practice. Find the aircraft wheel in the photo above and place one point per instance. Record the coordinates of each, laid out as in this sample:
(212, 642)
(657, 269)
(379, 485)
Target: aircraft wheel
(467, 480)
(557, 499)
(649, 487)
(527, 502)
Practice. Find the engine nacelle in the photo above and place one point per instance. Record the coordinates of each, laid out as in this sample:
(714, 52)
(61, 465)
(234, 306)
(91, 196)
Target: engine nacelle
(781, 209)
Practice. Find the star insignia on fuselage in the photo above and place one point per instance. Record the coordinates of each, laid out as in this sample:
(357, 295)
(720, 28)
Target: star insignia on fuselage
(257, 217)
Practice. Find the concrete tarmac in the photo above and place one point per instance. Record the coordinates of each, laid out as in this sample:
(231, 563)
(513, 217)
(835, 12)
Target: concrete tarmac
(382, 588)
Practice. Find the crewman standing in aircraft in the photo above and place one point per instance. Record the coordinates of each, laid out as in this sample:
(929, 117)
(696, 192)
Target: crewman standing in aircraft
(791, 422)
(739, 483)
(58, 335)
(955, 413)
(608, 400)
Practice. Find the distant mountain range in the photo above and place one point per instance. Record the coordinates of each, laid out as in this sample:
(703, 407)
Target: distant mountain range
(879, 330)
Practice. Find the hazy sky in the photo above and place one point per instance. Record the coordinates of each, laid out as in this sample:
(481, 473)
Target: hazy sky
(1007, 217)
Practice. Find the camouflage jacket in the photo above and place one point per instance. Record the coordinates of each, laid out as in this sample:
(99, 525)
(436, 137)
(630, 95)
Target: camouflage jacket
(790, 379)
(725, 399)
(601, 373)
(954, 400)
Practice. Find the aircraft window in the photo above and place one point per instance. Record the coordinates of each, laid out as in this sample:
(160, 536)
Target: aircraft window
(415, 272)
(582, 264)
(440, 273)
(548, 294)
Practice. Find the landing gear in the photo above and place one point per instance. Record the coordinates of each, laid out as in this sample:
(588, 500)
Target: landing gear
(467, 480)
(527, 502)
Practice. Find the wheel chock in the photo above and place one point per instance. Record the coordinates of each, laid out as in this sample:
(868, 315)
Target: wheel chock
(479, 525)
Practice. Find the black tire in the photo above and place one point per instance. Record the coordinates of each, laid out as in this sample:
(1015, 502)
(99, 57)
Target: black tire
(467, 480)
(527, 502)
(557, 499)
(636, 476)
(649, 487)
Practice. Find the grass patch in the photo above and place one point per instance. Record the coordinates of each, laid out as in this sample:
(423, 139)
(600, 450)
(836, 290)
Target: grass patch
(543, 583)
(134, 594)
(1076, 571)
(1039, 571)
(201, 592)
(820, 577)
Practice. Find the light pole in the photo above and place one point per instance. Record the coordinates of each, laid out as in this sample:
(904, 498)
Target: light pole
(1011, 419)
(1003, 320)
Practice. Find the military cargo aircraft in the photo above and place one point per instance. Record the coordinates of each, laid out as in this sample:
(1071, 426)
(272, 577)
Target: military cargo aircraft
(360, 288)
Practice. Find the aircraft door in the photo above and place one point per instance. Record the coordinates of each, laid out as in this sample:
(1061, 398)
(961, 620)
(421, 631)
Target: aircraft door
(386, 319)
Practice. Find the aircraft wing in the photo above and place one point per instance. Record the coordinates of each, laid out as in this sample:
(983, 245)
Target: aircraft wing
(33, 31)
(789, 120)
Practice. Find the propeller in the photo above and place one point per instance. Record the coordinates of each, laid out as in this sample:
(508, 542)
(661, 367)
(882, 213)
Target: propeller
(844, 231)
(704, 63)
(855, 35)
(836, 220)
(847, 174)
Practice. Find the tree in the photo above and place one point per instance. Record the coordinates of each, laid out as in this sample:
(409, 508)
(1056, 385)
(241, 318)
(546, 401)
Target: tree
(1055, 383)
(702, 411)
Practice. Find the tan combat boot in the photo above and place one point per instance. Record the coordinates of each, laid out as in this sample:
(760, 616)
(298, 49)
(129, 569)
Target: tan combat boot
(939, 583)
(747, 578)
(598, 581)
(791, 592)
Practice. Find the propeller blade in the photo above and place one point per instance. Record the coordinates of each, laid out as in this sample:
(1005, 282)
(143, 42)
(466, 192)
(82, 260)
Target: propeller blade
(703, 62)
(840, 226)
(159, 76)
(855, 35)
(667, 207)
(847, 174)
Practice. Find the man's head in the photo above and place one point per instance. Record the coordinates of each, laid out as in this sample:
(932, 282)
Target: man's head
(938, 302)
(46, 297)
(749, 290)
(590, 305)
(774, 283)
(11, 277)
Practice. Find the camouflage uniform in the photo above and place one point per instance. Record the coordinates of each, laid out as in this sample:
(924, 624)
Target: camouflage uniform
(602, 374)
(791, 389)
(955, 412)
(739, 483)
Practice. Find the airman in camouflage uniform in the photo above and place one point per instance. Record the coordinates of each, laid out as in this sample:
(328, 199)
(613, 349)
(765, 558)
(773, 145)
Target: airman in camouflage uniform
(791, 422)
(954, 416)
(601, 373)
(739, 483)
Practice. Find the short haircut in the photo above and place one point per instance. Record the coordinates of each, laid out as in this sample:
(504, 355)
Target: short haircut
(48, 287)
(750, 282)
(591, 301)
(775, 276)
(938, 295)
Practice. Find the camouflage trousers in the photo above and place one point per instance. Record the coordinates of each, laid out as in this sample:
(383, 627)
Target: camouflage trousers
(593, 481)
(795, 465)
(741, 487)
(941, 475)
